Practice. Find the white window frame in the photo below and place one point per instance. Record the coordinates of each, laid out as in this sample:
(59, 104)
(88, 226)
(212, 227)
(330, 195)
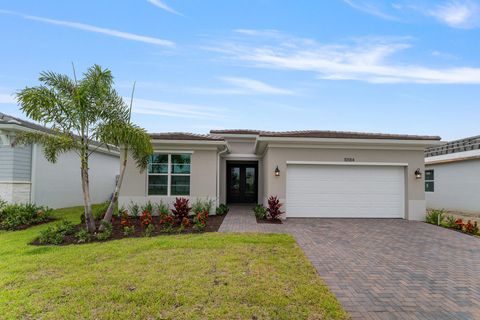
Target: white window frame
(169, 175)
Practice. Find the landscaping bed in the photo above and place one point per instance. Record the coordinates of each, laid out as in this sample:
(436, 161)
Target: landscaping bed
(446, 220)
(138, 230)
(270, 214)
(23, 216)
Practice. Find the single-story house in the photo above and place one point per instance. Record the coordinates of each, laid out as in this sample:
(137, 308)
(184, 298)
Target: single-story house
(452, 175)
(314, 173)
(27, 176)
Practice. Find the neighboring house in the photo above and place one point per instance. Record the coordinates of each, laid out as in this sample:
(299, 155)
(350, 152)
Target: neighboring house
(27, 176)
(314, 173)
(452, 175)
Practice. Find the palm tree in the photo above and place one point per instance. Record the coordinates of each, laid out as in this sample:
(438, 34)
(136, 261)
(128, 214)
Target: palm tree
(83, 116)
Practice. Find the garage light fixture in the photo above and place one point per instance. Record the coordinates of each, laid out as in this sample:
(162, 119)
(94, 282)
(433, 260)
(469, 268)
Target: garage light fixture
(418, 174)
(277, 172)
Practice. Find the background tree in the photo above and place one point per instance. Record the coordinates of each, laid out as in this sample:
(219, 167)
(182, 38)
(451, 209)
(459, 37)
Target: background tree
(83, 115)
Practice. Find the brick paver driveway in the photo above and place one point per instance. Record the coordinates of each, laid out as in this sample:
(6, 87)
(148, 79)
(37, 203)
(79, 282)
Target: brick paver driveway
(386, 269)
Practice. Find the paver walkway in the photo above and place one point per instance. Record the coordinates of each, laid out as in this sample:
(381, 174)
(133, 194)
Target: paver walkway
(385, 268)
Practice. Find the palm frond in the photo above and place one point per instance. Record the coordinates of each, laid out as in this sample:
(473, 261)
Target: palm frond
(53, 145)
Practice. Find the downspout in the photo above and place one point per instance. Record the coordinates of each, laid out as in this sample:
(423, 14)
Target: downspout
(218, 173)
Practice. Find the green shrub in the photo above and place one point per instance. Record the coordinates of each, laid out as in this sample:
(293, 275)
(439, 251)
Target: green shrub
(55, 234)
(99, 212)
(107, 231)
(149, 229)
(435, 217)
(162, 209)
(260, 211)
(134, 209)
(222, 209)
(449, 222)
(147, 207)
(128, 231)
(202, 205)
(14, 216)
(83, 236)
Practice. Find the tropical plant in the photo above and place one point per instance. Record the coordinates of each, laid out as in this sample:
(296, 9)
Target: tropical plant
(273, 209)
(146, 218)
(14, 216)
(132, 140)
(200, 220)
(83, 236)
(148, 206)
(134, 209)
(107, 231)
(202, 206)
(435, 216)
(149, 230)
(162, 209)
(260, 211)
(167, 223)
(84, 116)
(471, 227)
(99, 212)
(449, 221)
(128, 231)
(180, 209)
(55, 234)
(222, 209)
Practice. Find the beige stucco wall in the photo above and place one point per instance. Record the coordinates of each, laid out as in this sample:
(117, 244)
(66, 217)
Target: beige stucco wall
(202, 179)
(415, 195)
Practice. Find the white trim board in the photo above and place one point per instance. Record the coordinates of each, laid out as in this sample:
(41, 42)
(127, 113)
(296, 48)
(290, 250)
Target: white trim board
(346, 163)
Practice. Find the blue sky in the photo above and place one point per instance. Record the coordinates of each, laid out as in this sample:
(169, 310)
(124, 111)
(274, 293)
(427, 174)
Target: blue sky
(398, 67)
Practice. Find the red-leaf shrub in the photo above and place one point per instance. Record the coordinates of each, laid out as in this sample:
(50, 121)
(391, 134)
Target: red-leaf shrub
(200, 220)
(459, 224)
(181, 209)
(125, 220)
(146, 218)
(166, 221)
(471, 228)
(185, 222)
(273, 209)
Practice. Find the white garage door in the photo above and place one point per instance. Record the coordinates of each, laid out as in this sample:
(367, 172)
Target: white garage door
(345, 191)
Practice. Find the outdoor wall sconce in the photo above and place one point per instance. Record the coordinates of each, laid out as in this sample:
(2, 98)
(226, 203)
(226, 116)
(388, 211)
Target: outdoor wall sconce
(418, 174)
(277, 172)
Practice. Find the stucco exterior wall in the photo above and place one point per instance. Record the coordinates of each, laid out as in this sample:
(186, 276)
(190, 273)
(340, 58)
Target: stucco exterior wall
(278, 156)
(456, 186)
(58, 185)
(203, 178)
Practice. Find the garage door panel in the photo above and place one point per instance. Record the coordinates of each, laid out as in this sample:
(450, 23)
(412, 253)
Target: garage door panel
(345, 191)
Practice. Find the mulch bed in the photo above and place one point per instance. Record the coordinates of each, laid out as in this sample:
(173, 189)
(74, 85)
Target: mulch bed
(26, 226)
(274, 221)
(213, 224)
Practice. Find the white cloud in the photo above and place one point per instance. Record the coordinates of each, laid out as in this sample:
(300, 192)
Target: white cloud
(371, 7)
(457, 14)
(7, 99)
(153, 107)
(90, 28)
(162, 5)
(255, 86)
(463, 14)
(367, 59)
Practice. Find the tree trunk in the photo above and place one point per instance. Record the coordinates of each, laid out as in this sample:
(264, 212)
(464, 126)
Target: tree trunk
(113, 201)
(89, 221)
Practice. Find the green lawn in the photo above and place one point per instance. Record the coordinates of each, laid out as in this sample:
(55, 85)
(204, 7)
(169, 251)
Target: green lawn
(208, 276)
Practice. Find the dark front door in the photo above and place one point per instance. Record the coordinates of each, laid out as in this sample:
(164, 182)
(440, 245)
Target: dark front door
(242, 182)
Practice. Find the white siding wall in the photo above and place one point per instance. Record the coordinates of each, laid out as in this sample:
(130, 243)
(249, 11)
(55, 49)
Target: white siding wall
(58, 184)
(457, 186)
(15, 166)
